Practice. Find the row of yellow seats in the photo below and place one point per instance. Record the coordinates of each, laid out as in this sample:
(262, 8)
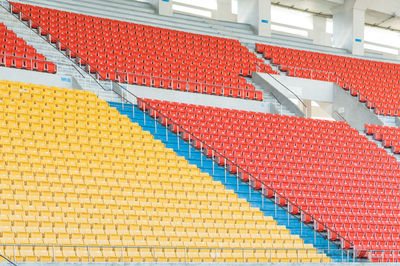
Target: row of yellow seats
(41, 89)
(123, 187)
(123, 176)
(149, 218)
(87, 145)
(130, 174)
(46, 214)
(161, 219)
(37, 113)
(48, 148)
(64, 119)
(122, 228)
(48, 96)
(157, 240)
(21, 163)
(87, 229)
(153, 154)
(138, 141)
(203, 192)
(112, 202)
(82, 254)
(127, 208)
(24, 129)
(79, 190)
(69, 214)
(23, 101)
(122, 205)
(122, 157)
(38, 122)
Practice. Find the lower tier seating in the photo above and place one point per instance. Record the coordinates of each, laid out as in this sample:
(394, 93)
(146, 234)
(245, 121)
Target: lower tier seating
(15, 52)
(380, 89)
(326, 168)
(390, 136)
(75, 172)
(152, 56)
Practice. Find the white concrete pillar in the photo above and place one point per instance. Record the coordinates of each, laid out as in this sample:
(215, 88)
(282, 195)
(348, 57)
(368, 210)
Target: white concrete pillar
(308, 108)
(348, 26)
(257, 13)
(224, 11)
(319, 34)
(163, 7)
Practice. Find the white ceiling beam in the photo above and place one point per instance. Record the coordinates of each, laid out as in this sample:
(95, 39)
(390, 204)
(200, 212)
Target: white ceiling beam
(384, 6)
(340, 2)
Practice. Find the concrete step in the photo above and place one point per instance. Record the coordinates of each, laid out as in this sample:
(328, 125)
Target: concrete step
(270, 99)
(65, 67)
(380, 145)
(389, 121)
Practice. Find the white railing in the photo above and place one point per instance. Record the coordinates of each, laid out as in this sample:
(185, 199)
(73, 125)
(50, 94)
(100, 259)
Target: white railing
(93, 253)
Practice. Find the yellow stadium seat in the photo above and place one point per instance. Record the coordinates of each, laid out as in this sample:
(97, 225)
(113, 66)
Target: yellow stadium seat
(75, 171)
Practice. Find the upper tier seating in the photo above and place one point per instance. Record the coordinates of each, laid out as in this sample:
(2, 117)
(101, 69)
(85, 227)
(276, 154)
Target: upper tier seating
(390, 136)
(74, 171)
(151, 56)
(15, 52)
(375, 83)
(326, 168)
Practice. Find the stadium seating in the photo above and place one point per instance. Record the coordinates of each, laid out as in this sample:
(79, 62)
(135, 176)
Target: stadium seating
(151, 56)
(75, 172)
(15, 52)
(326, 168)
(390, 136)
(379, 89)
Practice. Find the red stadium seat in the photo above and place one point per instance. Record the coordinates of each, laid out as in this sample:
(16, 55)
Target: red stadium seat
(326, 168)
(198, 59)
(378, 89)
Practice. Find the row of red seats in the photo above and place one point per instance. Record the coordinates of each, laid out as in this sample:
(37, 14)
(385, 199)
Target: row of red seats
(379, 89)
(390, 136)
(166, 51)
(357, 189)
(15, 52)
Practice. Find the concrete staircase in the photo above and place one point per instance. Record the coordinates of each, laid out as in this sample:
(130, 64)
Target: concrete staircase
(65, 66)
(380, 145)
(389, 121)
(252, 49)
(232, 182)
(275, 106)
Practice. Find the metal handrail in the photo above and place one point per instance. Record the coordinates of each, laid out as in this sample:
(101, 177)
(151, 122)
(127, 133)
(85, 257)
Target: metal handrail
(288, 89)
(8, 260)
(333, 74)
(122, 89)
(214, 252)
(336, 112)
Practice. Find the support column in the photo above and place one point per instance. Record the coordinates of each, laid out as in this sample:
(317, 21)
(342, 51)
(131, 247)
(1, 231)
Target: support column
(164, 7)
(348, 26)
(319, 34)
(308, 110)
(257, 13)
(224, 11)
